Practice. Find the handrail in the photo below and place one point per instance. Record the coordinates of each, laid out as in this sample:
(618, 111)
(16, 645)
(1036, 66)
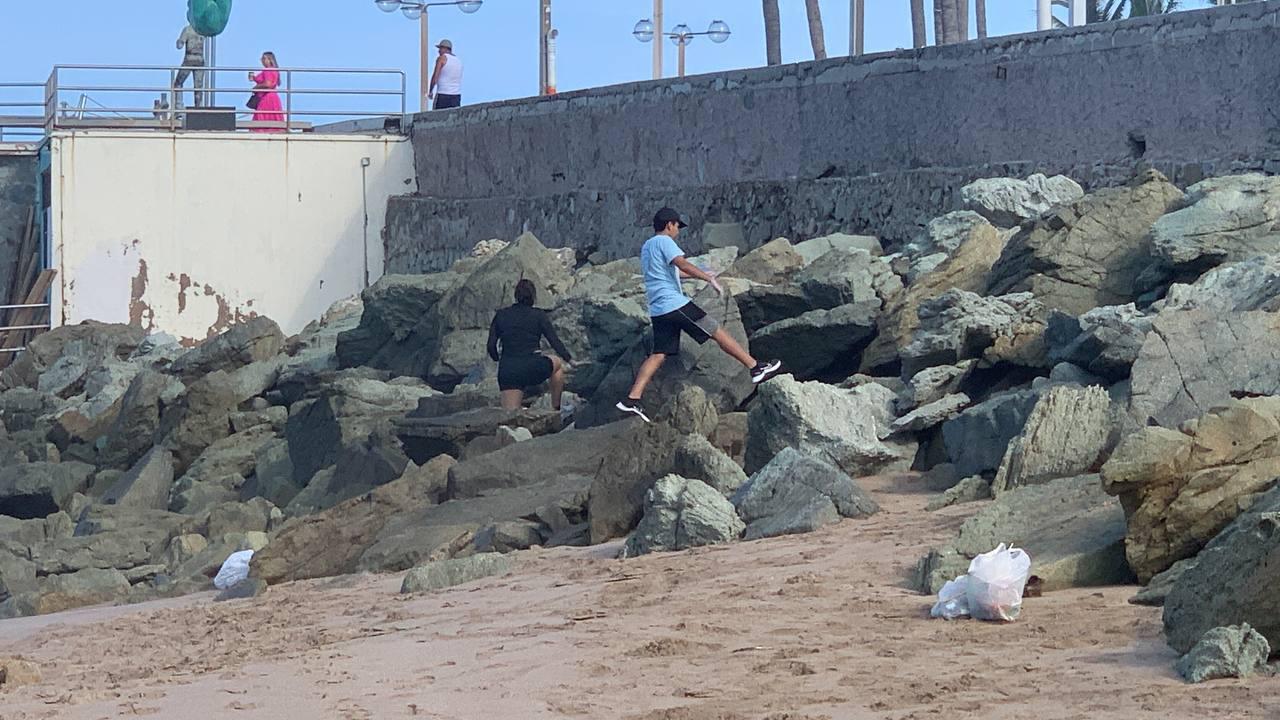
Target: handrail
(116, 103)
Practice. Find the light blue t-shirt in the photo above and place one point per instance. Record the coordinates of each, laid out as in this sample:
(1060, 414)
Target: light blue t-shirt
(661, 278)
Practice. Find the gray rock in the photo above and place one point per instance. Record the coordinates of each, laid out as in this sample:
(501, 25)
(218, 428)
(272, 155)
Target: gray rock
(811, 250)
(1233, 580)
(816, 419)
(132, 434)
(1065, 435)
(243, 590)
(1106, 341)
(427, 437)
(818, 340)
(1073, 532)
(939, 240)
(959, 325)
(147, 483)
(78, 589)
(388, 336)
(772, 263)
(680, 513)
(971, 489)
(1068, 374)
(1237, 651)
(764, 305)
(21, 408)
(457, 571)
(1229, 218)
(697, 459)
(976, 439)
(1008, 201)
(103, 551)
(39, 489)
(272, 475)
(844, 277)
(17, 574)
(623, 475)
(1157, 590)
(1195, 360)
(934, 383)
(1089, 252)
(597, 330)
(88, 345)
(361, 467)
(1252, 284)
(274, 416)
(931, 415)
(256, 515)
(798, 493)
(248, 342)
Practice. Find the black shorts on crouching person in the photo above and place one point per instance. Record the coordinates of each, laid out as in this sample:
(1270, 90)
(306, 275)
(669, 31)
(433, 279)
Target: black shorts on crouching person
(522, 371)
(689, 319)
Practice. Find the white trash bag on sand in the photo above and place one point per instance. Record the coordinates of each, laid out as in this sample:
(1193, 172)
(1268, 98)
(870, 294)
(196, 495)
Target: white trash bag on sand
(234, 570)
(991, 591)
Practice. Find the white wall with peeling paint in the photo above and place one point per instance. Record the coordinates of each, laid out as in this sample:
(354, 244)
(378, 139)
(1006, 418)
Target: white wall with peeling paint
(187, 232)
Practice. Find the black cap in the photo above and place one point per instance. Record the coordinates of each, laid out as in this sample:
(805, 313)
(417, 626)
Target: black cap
(667, 215)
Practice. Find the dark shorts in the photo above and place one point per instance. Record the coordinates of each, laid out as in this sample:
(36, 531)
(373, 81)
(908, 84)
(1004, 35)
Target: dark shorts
(522, 371)
(690, 319)
(444, 102)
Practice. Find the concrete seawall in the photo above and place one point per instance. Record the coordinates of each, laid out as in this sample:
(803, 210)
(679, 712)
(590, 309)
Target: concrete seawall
(875, 144)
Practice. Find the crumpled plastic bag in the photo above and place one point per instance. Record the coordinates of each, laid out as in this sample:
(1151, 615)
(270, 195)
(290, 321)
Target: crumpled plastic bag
(996, 581)
(953, 601)
(235, 569)
(992, 590)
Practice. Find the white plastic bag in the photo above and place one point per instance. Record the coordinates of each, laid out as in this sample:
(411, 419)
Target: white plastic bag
(953, 600)
(996, 581)
(234, 570)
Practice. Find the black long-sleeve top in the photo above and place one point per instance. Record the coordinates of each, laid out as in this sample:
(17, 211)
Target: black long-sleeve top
(520, 329)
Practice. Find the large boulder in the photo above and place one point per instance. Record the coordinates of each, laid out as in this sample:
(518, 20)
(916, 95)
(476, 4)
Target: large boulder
(597, 331)
(89, 586)
(254, 340)
(1008, 202)
(965, 268)
(799, 493)
(455, 571)
(838, 426)
(1072, 530)
(936, 242)
(1226, 219)
(362, 465)
(764, 305)
(389, 336)
(427, 437)
(843, 277)
(331, 542)
(1195, 360)
(1252, 284)
(1090, 252)
(39, 489)
(1235, 651)
(814, 248)
(819, 340)
(1105, 341)
(132, 433)
(960, 325)
(977, 438)
(724, 379)
(1065, 435)
(147, 483)
(772, 263)
(624, 474)
(680, 513)
(1181, 488)
(23, 408)
(200, 418)
(1233, 581)
(77, 348)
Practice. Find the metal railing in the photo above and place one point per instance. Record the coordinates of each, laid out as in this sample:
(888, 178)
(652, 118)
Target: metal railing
(8, 346)
(112, 96)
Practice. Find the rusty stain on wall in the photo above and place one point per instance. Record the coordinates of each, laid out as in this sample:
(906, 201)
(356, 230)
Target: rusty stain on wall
(139, 311)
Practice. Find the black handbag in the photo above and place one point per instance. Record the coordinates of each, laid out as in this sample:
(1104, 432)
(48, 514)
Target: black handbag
(254, 99)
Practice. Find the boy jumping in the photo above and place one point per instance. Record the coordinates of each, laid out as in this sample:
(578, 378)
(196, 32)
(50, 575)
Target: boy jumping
(663, 264)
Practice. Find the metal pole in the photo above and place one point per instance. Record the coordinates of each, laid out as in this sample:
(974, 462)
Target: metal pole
(658, 38)
(544, 32)
(211, 77)
(682, 44)
(551, 61)
(288, 99)
(1044, 14)
(862, 23)
(1078, 13)
(424, 50)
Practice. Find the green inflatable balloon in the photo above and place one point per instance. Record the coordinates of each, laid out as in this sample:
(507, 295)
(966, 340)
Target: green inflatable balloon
(208, 17)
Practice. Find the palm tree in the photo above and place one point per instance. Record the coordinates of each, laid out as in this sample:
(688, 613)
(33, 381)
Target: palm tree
(960, 19)
(816, 37)
(918, 37)
(772, 33)
(1139, 8)
(980, 10)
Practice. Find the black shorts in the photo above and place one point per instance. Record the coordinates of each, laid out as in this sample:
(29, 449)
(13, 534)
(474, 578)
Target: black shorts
(522, 371)
(444, 102)
(689, 319)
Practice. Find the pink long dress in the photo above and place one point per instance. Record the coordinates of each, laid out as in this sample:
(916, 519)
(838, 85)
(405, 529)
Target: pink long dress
(269, 107)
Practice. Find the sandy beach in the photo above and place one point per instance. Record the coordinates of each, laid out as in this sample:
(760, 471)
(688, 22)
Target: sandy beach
(798, 628)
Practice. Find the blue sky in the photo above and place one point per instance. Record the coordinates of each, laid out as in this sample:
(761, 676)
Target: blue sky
(498, 44)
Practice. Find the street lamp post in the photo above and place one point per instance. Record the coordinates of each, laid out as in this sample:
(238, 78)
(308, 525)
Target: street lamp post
(417, 10)
(681, 35)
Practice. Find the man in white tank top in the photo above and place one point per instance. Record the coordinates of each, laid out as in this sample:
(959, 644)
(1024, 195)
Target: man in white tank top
(446, 81)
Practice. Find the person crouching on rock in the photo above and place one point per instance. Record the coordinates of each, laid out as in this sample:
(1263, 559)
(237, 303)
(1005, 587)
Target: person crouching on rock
(515, 339)
(663, 264)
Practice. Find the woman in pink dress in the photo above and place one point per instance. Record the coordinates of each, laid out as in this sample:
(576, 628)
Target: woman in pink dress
(268, 108)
